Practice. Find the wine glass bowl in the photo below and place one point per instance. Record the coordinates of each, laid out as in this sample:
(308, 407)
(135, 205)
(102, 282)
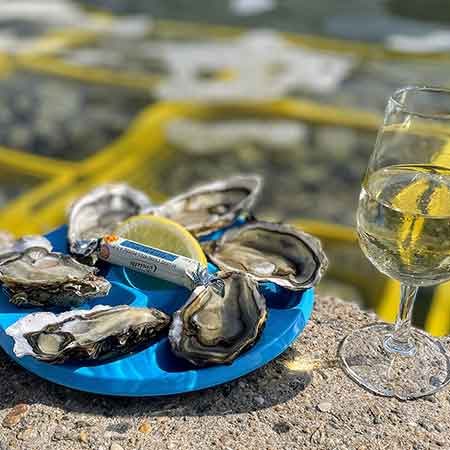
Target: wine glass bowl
(403, 223)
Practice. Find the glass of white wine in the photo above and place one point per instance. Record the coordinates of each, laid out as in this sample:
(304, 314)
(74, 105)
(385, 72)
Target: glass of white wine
(403, 223)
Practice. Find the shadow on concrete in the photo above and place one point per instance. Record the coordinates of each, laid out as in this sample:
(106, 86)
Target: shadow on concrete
(271, 385)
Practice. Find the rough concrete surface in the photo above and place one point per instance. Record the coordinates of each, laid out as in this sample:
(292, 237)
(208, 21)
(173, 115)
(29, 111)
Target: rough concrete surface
(302, 400)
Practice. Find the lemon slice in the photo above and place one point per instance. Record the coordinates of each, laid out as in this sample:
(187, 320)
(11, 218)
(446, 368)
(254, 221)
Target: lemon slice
(161, 233)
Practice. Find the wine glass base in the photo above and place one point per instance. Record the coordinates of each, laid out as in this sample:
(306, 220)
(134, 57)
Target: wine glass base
(421, 373)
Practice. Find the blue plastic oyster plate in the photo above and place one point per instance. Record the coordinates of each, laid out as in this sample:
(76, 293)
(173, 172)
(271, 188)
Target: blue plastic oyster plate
(155, 370)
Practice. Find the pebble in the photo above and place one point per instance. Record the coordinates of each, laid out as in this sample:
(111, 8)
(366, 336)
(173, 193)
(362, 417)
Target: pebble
(113, 435)
(377, 420)
(59, 433)
(121, 427)
(115, 446)
(325, 406)
(26, 434)
(82, 424)
(281, 427)
(144, 427)
(83, 437)
(15, 415)
(260, 400)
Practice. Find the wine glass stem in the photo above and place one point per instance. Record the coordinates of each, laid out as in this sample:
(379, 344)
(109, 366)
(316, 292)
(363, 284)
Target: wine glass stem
(400, 340)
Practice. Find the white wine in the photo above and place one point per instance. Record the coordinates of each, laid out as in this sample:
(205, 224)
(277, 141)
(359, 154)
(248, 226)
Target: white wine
(404, 222)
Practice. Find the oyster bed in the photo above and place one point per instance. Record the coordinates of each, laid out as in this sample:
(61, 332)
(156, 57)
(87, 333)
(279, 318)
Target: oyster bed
(60, 118)
(372, 83)
(316, 174)
(129, 54)
(14, 187)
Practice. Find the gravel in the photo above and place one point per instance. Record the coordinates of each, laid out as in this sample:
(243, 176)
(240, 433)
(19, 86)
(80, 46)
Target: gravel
(309, 403)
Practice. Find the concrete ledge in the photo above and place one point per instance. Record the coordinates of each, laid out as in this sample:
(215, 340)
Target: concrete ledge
(302, 400)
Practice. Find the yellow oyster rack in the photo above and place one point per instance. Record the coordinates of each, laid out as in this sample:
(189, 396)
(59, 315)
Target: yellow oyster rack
(118, 161)
(138, 154)
(43, 56)
(53, 41)
(39, 181)
(47, 60)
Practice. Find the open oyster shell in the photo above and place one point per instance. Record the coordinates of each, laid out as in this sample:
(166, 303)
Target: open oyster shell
(215, 329)
(98, 212)
(101, 333)
(212, 206)
(8, 244)
(266, 251)
(38, 277)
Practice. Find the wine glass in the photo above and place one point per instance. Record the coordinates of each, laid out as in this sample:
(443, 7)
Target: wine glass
(403, 223)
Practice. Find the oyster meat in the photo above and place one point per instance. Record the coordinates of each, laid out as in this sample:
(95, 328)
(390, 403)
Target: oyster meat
(99, 212)
(279, 253)
(38, 277)
(212, 206)
(8, 244)
(215, 329)
(101, 333)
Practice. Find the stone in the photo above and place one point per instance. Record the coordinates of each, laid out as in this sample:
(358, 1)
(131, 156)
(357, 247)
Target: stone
(114, 436)
(15, 415)
(60, 433)
(83, 437)
(115, 446)
(325, 406)
(26, 434)
(281, 427)
(82, 424)
(121, 427)
(259, 400)
(144, 427)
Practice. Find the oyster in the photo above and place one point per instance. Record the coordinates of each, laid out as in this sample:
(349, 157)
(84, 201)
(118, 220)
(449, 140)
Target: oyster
(8, 244)
(215, 329)
(38, 277)
(99, 212)
(279, 253)
(101, 333)
(212, 206)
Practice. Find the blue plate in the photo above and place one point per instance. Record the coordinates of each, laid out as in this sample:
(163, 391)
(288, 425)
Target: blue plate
(155, 370)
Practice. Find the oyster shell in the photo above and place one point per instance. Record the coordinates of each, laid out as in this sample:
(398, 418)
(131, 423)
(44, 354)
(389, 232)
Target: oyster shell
(215, 329)
(279, 253)
(8, 244)
(101, 333)
(212, 206)
(38, 277)
(98, 212)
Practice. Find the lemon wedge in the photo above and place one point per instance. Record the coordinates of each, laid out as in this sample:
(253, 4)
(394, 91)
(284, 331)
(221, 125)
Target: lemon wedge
(161, 233)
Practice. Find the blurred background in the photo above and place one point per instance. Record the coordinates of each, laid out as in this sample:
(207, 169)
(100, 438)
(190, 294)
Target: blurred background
(166, 94)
